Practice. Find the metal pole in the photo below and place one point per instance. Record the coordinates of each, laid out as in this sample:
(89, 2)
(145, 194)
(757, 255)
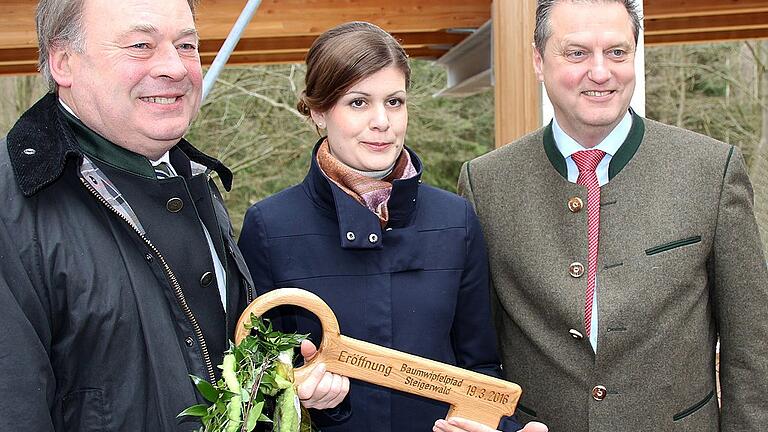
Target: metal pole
(229, 45)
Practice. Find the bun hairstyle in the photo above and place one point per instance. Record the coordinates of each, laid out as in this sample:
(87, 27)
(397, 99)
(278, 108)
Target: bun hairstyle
(344, 55)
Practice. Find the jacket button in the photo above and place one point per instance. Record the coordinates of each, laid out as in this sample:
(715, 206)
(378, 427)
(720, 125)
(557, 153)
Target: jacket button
(599, 392)
(373, 238)
(576, 269)
(575, 204)
(189, 341)
(174, 205)
(206, 279)
(576, 334)
(350, 236)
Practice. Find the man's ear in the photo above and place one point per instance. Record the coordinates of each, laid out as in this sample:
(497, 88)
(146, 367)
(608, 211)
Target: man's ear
(59, 60)
(538, 64)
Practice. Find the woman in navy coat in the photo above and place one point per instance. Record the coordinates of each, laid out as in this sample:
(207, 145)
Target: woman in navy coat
(402, 264)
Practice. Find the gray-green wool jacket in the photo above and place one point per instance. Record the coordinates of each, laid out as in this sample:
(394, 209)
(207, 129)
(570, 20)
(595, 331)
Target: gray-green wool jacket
(680, 265)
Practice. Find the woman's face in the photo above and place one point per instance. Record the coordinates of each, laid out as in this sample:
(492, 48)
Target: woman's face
(366, 127)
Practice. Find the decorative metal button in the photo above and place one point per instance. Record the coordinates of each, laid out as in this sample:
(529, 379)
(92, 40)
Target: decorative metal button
(576, 269)
(174, 205)
(206, 279)
(575, 204)
(599, 392)
(576, 334)
(373, 238)
(350, 236)
(189, 341)
(29, 151)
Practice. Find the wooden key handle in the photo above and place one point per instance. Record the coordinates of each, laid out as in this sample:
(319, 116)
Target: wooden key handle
(472, 395)
(297, 297)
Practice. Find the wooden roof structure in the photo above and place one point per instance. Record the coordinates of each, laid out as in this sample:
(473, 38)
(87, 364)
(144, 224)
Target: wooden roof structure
(282, 30)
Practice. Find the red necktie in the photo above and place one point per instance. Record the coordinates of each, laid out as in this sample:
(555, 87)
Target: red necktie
(587, 162)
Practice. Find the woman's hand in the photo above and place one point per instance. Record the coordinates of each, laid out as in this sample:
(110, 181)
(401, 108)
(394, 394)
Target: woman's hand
(458, 424)
(321, 389)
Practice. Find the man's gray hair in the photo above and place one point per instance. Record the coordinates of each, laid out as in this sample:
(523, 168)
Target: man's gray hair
(59, 24)
(543, 29)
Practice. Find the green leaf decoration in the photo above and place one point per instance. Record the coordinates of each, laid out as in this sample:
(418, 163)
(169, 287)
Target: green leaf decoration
(255, 385)
(206, 389)
(194, 411)
(253, 416)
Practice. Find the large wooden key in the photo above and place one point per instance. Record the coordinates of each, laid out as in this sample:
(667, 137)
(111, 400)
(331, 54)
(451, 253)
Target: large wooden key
(471, 395)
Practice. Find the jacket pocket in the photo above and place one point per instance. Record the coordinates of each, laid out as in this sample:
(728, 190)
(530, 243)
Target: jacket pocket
(672, 245)
(526, 410)
(695, 407)
(84, 411)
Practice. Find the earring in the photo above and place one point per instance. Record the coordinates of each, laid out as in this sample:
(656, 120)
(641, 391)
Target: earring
(321, 125)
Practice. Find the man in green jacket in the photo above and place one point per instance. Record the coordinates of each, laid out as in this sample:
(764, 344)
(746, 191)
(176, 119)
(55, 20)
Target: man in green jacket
(621, 250)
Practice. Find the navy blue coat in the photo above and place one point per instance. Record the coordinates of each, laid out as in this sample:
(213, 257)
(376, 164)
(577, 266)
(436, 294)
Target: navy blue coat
(420, 285)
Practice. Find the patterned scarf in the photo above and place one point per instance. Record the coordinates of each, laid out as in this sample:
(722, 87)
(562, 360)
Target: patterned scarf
(372, 193)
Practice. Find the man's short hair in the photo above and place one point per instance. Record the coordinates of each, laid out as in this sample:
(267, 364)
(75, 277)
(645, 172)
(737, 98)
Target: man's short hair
(543, 29)
(59, 23)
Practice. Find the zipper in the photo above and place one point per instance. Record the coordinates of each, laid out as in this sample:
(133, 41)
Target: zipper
(171, 278)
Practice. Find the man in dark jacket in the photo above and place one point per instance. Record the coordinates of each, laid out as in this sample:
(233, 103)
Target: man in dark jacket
(119, 276)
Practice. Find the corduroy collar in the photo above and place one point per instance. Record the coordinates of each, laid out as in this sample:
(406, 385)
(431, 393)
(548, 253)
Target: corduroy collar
(42, 141)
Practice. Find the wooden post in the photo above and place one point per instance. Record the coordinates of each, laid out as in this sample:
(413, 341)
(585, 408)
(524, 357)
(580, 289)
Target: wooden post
(516, 89)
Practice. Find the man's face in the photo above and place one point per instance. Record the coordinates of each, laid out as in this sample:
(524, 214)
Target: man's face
(588, 68)
(139, 81)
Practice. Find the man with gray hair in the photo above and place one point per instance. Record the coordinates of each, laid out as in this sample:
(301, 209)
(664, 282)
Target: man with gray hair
(621, 250)
(120, 274)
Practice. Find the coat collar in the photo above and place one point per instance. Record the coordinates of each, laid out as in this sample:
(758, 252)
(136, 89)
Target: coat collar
(618, 162)
(42, 142)
(359, 228)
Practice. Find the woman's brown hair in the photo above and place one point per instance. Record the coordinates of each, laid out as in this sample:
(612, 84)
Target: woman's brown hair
(344, 55)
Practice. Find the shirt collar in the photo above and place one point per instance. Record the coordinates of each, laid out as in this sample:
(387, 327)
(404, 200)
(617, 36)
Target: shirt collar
(68, 109)
(166, 157)
(610, 144)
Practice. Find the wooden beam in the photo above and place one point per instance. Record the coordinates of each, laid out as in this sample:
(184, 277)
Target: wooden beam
(282, 30)
(705, 37)
(517, 91)
(302, 18)
(655, 9)
(302, 43)
(712, 23)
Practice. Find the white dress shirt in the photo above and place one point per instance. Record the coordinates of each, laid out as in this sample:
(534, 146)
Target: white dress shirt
(610, 145)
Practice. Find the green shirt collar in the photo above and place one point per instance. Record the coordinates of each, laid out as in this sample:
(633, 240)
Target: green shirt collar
(98, 147)
(618, 162)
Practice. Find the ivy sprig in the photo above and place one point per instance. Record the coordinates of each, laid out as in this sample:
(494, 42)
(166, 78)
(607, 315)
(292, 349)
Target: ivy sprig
(256, 374)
